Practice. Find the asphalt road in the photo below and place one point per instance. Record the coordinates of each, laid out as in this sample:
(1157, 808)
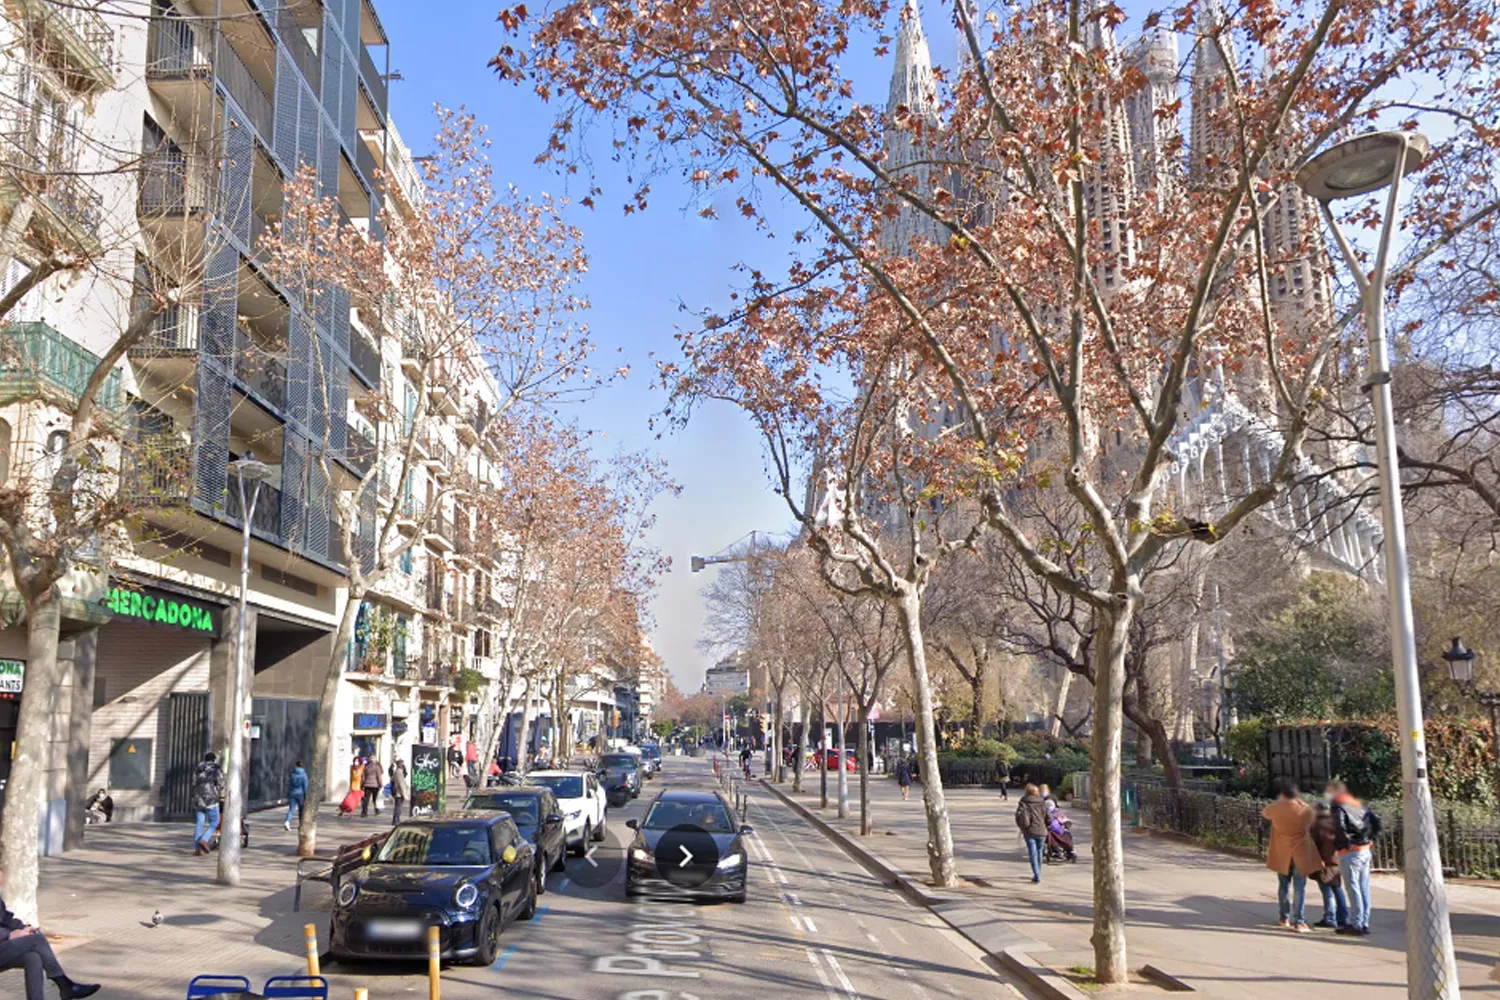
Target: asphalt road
(816, 926)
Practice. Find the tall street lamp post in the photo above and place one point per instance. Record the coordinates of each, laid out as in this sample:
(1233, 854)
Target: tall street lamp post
(1356, 167)
(237, 752)
(1461, 668)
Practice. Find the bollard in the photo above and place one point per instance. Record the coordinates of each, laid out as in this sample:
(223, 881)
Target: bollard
(361, 994)
(434, 963)
(310, 931)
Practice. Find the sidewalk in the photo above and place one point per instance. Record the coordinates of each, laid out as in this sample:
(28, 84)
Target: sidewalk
(1202, 916)
(97, 903)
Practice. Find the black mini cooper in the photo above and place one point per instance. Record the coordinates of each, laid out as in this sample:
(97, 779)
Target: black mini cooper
(468, 874)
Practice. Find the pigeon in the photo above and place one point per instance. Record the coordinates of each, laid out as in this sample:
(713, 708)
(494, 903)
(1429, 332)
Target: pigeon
(157, 919)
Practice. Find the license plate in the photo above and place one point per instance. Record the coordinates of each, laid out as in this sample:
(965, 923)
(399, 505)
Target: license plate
(394, 930)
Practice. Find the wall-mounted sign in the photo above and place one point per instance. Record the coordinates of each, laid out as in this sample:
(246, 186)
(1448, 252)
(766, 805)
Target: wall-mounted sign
(12, 678)
(369, 720)
(163, 609)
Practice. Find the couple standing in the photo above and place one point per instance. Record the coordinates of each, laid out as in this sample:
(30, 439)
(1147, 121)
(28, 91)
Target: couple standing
(1331, 844)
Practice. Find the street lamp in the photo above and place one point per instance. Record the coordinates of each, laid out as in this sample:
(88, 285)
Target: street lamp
(237, 751)
(1359, 166)
(1461, 669)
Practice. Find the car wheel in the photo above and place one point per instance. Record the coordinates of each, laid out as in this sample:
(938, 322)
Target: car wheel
(583, 842)
(529, 910)
(541, 879)
(599, 833)
(561, 864)
(488, 937)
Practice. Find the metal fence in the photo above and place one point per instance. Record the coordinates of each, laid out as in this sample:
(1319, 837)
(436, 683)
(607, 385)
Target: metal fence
(1468, 839)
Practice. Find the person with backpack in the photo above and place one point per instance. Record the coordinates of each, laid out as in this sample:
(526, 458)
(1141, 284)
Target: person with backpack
(208, 788)
(1355, 827)
(1031, 817)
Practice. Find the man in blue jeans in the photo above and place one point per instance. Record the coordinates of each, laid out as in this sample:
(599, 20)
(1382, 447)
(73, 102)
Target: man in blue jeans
(1355, 827)
(208, 788)
(1031, 817)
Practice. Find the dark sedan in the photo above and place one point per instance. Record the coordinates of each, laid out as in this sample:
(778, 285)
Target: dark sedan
(468, 874)
(620, 770)
(540, 820)
(689, 844)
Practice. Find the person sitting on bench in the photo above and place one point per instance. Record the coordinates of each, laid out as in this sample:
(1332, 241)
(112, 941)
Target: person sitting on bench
(24, 947)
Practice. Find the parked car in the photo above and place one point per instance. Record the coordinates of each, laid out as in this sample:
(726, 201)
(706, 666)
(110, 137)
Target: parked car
(539, 818)
(469, 874)
(651, 754)
(619, 771)
(851, 759)
(581, 800)
(719, 872)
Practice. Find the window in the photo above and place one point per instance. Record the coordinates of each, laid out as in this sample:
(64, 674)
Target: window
(500, 838)
(404, 561)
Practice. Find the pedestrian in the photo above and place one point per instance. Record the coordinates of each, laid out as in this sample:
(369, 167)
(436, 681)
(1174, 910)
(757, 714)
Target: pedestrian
(1046, 793)
(100, 807)
(471, 761)
(296, 794)
(455, 759)
(1330, 881)
(1003, 770)
(357, 772)
(903, 776)
(1292, 854)
(1355, 827)
(24, 947)
(400, 789)
(1031, 817)
(208, 788)
(372, 780)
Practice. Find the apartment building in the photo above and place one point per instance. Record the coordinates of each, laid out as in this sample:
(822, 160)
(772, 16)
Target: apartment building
(156, 147)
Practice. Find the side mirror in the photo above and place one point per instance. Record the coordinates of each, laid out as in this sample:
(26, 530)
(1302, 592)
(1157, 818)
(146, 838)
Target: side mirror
(508, 855)
(554, 818)
(746, 828)
(632, 824)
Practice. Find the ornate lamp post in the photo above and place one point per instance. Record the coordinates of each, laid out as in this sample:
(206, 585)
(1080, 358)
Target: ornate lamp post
(1460, 661)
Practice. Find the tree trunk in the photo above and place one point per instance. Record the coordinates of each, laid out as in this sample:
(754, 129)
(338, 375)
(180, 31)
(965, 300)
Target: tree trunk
(800, 753)
(523, 757)
(866, 822)
(25, 792)
(1156, 731)
(317, 774)
(1055, 727)
(976, 691)
(822, 743)
(843, 753)
(1110, 641)
(939, 833)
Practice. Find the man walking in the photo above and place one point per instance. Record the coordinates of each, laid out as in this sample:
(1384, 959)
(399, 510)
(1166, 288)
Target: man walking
(373, 779)
(296, 794)
(400, 789)
(24, 947)
(208, 788)
(1355, 828)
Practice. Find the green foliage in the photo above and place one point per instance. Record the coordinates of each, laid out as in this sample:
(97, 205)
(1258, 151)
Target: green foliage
(983, 747)
(662, 728)
(468, 681)
(1317, 654)
(1038, 744)
(1369, 761)
(1065, 788)
(1460, 761)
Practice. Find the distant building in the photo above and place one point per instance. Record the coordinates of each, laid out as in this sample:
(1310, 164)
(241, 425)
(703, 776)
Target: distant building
(729, 677)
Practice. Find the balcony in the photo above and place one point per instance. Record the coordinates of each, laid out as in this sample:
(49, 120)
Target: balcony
(74, 39)
(40, 363)
(439, 601)
(178, 49)
(435, 673)
(174, 183)
(68, 209)
(156, 471)
(439, 531)
(365, 161)
(365, 359)
(264, 375)
(374, 84)
(359, 451)
(266, 520)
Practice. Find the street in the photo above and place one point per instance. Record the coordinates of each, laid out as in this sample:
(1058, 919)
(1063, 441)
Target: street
(816, 925)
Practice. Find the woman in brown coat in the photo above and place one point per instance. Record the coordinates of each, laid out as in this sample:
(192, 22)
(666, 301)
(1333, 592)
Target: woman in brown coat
(1292, 855)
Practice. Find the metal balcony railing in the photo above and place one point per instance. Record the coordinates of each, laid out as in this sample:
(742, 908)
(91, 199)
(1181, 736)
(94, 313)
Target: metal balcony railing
(359, 450)
(174, 332)
(176, 47)
(265, 375)
(364, 357)
(76, 37)
(157, 471)
(39, 361)
(302, 53)
(175, 183)
(365, 161)
(267, 517)
(370, 74)
(243, 87)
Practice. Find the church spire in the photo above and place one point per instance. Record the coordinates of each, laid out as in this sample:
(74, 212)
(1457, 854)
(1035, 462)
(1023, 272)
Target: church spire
(912, 82)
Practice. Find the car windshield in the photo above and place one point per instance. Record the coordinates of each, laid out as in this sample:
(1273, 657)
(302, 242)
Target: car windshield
(710, 816)
(445, 844)
(564, 786)
(522, 808)
(651, 751)
(617, 760)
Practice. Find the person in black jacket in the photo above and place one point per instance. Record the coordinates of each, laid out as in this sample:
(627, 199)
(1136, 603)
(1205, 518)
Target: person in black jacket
(1031, 817)
(208, 789)
(24, 947)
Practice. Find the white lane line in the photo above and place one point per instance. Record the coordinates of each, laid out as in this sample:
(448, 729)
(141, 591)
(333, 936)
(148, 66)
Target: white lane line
(812, 957)
(838, 971)
(812, 928)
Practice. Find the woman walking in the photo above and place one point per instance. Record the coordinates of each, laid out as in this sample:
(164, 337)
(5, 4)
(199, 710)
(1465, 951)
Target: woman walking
(903, 777)
(1031, 817)
(1292, 854)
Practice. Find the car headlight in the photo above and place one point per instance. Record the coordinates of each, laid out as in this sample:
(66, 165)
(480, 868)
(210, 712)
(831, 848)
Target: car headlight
(347, 892)
(731, 861)
(466, 896)
(640, 854)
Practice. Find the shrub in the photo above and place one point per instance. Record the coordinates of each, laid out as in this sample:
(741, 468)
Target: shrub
(1065, 789)
(1039, 745)
(1039, 772)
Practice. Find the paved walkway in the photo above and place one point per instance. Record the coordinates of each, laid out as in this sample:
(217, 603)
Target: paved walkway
(1204, 916)
(97, 903)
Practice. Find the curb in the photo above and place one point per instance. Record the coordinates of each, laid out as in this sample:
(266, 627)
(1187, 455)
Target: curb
(1016, 959)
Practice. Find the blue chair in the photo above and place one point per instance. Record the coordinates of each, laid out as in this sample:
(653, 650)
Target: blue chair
(212, 986)
(296, 988)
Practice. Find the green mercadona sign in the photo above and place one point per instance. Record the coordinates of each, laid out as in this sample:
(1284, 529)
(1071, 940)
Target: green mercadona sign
(161, 609)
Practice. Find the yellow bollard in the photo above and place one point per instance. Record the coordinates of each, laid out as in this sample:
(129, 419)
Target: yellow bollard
(434, 964)
(361, 994)
(311, 933)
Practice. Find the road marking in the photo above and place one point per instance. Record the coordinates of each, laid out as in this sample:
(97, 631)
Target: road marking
(838, 971)
(504, 957)
(795, 921)
(811, 927)
(812, 957)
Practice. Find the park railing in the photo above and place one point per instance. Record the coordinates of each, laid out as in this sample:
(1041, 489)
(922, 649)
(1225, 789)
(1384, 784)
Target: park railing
(1468, 837)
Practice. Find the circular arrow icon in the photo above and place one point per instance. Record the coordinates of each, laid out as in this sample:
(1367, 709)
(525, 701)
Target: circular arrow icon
(686, 856)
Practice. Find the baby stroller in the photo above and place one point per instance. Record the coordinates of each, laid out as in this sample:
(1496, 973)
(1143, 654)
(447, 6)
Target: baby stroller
(1059, 839)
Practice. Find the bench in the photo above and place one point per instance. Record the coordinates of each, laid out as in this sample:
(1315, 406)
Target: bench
(330, 871)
